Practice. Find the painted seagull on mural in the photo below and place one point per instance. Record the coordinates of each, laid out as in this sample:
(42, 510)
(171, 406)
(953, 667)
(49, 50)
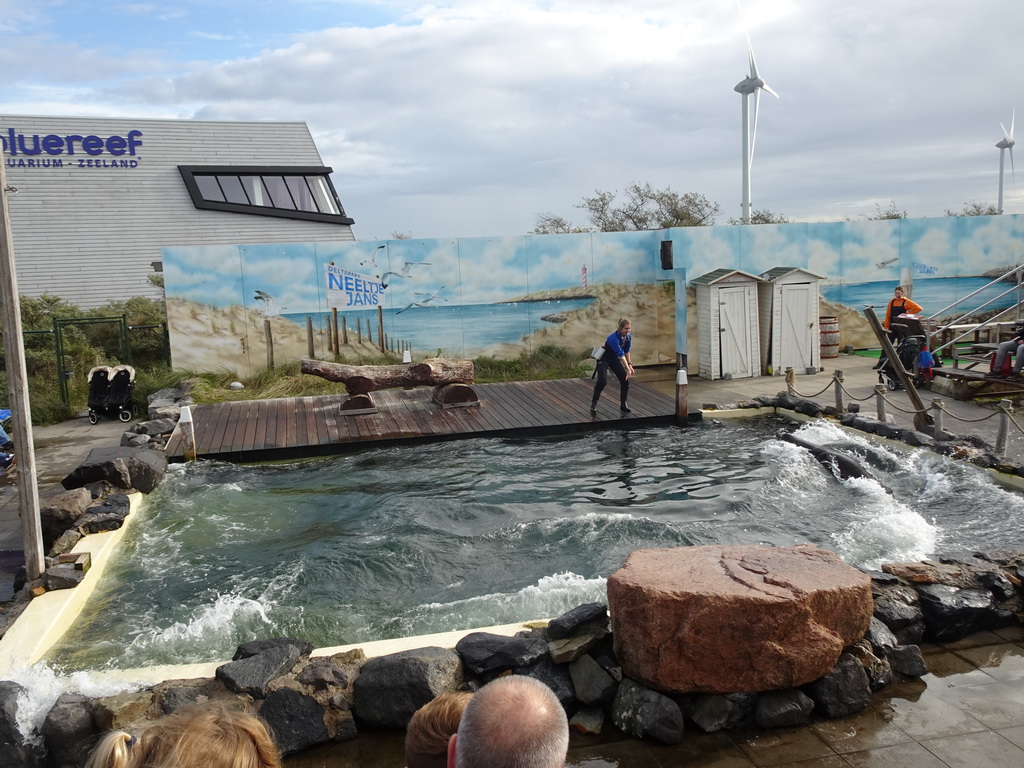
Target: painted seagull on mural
(403, 272)
(373, 257)
(887, 262)
(270, 308)
(427, 302)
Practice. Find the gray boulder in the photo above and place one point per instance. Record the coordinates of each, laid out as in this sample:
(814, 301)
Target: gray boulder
(14, 749)
(253, 675)
(569, 622)
(108, 514)
(58, 513)
(62, 577)
(256, 647)
(844, 691)
(900, 610)
(644, 713)
(783, 709)
(483, 652)
(881, 637)
(592, 684)
(391, 688)
(951, 613)
(68, 731)
(907, 660)
(554, 676)
(295, 719)
(122, 467)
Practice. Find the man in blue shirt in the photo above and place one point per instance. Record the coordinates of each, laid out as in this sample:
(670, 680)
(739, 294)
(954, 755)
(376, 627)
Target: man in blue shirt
(616, 357)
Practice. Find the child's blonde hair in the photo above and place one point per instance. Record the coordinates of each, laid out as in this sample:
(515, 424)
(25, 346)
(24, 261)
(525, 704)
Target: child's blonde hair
(209, 736)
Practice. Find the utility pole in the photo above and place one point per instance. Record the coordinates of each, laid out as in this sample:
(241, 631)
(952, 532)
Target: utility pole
(17, 386)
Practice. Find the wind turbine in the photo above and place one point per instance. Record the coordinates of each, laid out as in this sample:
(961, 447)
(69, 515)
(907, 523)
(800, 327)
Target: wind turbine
(1006, 144)
(750, 85)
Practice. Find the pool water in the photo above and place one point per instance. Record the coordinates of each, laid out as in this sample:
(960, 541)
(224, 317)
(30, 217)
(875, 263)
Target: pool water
(413, 540)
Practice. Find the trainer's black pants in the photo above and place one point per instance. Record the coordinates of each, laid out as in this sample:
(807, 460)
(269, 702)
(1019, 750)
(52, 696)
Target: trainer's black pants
(611, 361)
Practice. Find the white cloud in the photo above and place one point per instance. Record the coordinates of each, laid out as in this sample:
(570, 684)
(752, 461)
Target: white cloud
(468, 118)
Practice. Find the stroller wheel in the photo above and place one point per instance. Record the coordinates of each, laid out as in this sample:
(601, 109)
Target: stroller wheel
(124, 415)
(892, 384)
(93, 418)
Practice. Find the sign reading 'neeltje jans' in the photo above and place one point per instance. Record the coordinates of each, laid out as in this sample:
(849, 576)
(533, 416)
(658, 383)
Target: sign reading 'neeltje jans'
(70, 150)
(350, 290)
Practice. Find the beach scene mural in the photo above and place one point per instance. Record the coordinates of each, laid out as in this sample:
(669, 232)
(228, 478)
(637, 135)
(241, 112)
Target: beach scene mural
(469, 297)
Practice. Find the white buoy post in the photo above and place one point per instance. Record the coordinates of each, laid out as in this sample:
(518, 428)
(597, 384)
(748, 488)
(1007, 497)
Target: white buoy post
(682, 399)
(188, 432)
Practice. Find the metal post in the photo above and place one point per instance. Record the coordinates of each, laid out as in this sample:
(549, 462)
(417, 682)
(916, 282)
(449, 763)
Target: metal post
(682, 398)
(791, 382)
(837, 377)
(937, 418)
(270, 342)
(880, 402)
(1003, 432)
(17, 388)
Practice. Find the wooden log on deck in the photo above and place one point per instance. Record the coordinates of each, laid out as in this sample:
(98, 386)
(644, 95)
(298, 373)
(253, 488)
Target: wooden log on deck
(455, 395)
(360, 379)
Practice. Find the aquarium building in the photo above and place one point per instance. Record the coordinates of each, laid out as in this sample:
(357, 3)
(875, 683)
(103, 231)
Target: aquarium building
(97, 198)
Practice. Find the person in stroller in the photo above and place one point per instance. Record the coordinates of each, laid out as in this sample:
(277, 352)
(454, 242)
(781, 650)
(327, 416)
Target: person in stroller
(1015, 347)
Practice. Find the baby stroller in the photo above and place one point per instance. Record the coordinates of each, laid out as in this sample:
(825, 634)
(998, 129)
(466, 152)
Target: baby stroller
(110, 391)
(912, 350)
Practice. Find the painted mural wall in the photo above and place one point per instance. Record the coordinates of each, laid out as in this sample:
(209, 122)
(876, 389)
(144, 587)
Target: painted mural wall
(501, 296)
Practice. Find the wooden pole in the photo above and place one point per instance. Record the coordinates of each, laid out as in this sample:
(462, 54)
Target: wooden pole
(921, 419)
(682, 398)
(188, 433)
(309, 337)
(335, 346)
(380, 328)
(344, 331)
(359, 331)
(17, 387)
(270, 342)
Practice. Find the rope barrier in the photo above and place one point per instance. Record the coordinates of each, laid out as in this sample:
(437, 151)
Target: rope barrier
(1014, 421)
(964, 419)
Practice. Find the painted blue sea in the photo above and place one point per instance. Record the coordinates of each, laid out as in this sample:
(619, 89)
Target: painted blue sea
(458, 330)
(934, 294)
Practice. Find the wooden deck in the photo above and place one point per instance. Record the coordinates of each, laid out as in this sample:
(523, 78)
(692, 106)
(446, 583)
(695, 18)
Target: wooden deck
(298, 427)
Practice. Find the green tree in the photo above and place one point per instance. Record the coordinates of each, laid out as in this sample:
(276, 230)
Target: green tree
(642, 208)
(764, 217)
(974, 208)
(550, 224)
(892, 212)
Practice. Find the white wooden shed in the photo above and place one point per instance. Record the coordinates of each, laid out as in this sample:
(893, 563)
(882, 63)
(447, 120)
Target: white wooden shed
(728, 343)
(789, 332)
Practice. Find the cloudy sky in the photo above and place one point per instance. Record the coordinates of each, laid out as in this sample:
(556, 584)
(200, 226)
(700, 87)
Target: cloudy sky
(463, 118)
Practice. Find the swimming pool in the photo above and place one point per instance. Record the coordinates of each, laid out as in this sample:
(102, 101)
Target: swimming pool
(413, 540)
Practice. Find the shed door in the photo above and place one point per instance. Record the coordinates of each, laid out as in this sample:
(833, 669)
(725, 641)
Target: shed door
(734, 331)
(797, 341)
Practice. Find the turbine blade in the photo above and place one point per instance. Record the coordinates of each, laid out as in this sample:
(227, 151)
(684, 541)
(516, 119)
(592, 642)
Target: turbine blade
(1013, 117)
(767, 88)
(1006, 134)
(753, 130)
(750, 55)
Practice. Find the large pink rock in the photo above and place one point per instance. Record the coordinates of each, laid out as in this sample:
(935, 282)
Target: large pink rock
(728, 619)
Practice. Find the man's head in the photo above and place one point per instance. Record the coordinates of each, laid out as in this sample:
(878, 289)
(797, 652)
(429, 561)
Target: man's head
(512, 722)
(431, 728)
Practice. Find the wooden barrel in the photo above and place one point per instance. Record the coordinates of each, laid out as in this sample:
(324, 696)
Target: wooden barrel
(829, 332)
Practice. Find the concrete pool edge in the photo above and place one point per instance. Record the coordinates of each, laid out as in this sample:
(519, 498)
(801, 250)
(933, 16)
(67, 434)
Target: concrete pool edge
(47, 617)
